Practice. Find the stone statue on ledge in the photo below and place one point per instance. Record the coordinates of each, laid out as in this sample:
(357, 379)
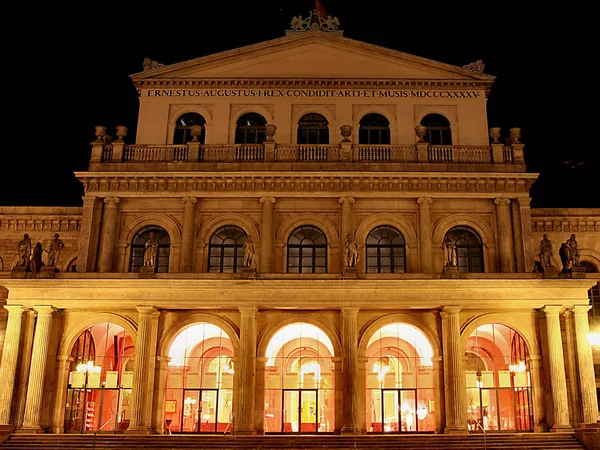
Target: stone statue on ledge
(24, 251)
(449, 249)
(569, 254)
(151, 246)
(249, 252)
(36, 264)
(56, 245)
(546, 252)
(351, 251)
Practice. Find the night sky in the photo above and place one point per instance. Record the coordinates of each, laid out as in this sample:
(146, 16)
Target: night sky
(76, 75)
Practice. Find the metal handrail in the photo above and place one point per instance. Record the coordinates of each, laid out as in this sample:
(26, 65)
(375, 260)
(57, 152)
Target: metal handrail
(230, 424)
(480, 425)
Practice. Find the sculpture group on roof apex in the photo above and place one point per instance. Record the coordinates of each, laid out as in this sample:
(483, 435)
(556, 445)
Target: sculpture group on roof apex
(151, 65)
(315, 22)
(476, 66)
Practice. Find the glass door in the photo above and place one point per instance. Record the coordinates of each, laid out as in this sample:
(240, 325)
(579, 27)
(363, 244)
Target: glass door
(398, 410)
(200, 411)
(300, 411)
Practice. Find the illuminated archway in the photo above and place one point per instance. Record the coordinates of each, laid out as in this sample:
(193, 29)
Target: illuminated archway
(399, 385)
(199, 393)
(499, 396)
(100, 380)
(299, 381)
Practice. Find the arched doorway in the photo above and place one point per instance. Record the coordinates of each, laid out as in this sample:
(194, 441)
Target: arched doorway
(498, 382)
(400, 390)
(199, 392)
(100, 380)
(299, 381)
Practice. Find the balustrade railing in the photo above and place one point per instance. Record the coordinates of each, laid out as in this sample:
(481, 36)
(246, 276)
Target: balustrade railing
(469, 154)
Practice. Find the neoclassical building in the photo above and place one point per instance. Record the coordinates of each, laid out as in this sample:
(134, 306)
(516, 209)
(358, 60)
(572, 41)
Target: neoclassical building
(309, 235)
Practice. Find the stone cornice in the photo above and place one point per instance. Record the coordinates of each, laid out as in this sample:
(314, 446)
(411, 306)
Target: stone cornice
(475, 294)
(312, 83)
(565, 224)
(356, 184)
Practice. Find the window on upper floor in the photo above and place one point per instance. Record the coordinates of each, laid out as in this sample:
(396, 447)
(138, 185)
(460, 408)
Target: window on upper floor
(160, 252)
(307, 251)
(438, 129)
(226, 250)
(374, 129)
(386, 251)
(469, 249)
(593, 295)
(183, 128)
(313, 129)
(250, 129)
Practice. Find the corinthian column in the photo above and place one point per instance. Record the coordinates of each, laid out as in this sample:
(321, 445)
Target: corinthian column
(345, 224)
(37, 373)
(505, 235)
(454, 386)
(187, 234)
(350, 367)
(244, 423)
(138, 400)
(556, 359)
(425, 233)
(587, 380)
(109, 234)
(9, 360)
(266, 238)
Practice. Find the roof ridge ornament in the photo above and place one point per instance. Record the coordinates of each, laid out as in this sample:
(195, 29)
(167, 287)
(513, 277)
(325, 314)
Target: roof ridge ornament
(151, 65)
(315, 22)
(476, 66)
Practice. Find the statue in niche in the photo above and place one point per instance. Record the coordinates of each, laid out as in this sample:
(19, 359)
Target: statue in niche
(24, 251)
(351, 251)
(151, 246)
(249, 252)
(56, 245)
(545, 252)
(449, 249)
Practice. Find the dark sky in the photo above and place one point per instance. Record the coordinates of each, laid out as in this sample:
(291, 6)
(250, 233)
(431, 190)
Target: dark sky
(77, 75)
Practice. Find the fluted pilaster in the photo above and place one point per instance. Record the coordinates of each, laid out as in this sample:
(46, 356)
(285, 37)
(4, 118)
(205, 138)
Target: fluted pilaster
(453, 373)
(247, 370)
(557, 369)
(587, 380)
(438, 389)
(138, 400)
(350, 364)
(505, 235)
(58, 415)
(39, 356)
(187, 234)
(162, 363)
(266, 238)
(537, 392)
(109, 234)
(27, 333)
(9, 360)
(425, 234)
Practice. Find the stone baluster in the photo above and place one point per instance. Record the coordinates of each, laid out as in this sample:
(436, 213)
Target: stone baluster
(425, 233)
(188, 234)
(266, 238)
(109, 234)
(505, 235)
(138, 398)
(557, 369)
(245, 417)
(37, 373)
(9, 360)
(350, 367)
(587, 380)
(455, 388)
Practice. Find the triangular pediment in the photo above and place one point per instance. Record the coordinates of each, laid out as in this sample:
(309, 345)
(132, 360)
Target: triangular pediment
(313, 54)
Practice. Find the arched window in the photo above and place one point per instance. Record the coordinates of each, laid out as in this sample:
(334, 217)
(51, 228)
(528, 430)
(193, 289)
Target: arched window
(183, 128)
(374, 129)
(386, 251)
(307, 251)
(250, 129)
(226, 250)
(138, 248)
(438, 129)
(313, 129)
(469, 249)
(72, 266)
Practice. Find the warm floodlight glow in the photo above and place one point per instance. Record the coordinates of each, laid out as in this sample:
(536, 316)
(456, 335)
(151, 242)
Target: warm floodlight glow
(189, 338)
(305, 332)
(594, 340)
(410, 334)
(88, 367)
(519, 367)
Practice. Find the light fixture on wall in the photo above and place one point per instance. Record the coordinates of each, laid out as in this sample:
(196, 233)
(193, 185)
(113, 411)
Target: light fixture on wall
(594, 340)
(479, 377)
(519, 367)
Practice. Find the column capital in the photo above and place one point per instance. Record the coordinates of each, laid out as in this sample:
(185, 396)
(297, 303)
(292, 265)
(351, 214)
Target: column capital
(450, 310)
(15, 309)
(580, 309)
(146, 310)
(248, 310)
(424, 201)
(346, 201)
(163, 360)
(45, 310)
(502, 201)
(64, 358)
(111, 200)
(349, 311)
(551, 309)
(524, 201)
(266, 200)
(89, 201)
(187, 200)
